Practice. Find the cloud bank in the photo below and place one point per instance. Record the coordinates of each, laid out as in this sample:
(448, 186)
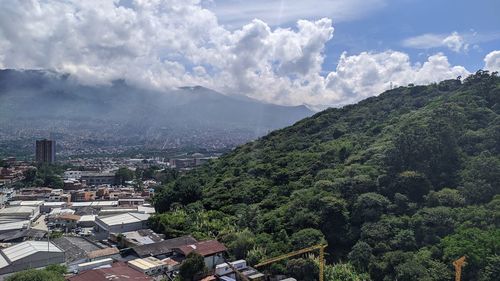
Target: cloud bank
(172, 43)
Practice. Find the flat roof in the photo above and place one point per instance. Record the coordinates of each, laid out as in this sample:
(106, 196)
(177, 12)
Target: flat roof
(29, 248)
(49, 204)
(146, 263)
(14, 225)
(17, 210)
(26, 203)
(94, 203)
(87, 218)
(3, 262)
(124, 218)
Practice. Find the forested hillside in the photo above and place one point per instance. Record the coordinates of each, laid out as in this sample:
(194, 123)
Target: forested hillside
(398, 185)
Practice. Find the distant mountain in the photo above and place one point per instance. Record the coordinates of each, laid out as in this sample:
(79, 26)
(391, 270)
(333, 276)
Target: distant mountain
(50, 98)
(43, 94)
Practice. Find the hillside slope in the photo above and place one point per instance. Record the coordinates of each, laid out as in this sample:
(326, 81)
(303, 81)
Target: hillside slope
(398, 185)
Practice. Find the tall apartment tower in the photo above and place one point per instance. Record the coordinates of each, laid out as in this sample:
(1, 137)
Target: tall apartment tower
(45, 151)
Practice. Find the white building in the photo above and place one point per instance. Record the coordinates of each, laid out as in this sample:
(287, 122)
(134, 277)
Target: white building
(29, 254)
(119, 224)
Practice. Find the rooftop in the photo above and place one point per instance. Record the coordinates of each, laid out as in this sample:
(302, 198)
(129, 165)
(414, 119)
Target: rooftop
(204, 248)
(76, 248)
(124, 218)
(146, 263)
(28, 248)
(17, 210)
(117, 272)
(163, 247)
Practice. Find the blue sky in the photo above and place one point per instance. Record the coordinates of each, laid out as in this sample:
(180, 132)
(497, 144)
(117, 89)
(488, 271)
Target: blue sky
(382, 25)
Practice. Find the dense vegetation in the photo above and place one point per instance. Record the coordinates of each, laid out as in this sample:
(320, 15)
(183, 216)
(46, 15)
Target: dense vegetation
(53, 272)
(398, 185)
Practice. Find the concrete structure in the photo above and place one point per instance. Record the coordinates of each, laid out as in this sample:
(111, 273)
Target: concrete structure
(14, 225)
(98, 178)
(150, 266)
(29, 254)
(119, 224)
(19, 213)
(45, 151)
(131, 202)
(73, 175)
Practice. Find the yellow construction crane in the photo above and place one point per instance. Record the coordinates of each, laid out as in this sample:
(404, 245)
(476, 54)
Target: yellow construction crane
(458, 268)
(321, 249)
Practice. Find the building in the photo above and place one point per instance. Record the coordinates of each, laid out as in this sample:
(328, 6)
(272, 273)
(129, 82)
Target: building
(45, 151)
(119, 224)
(164, 248)
(149, 266)
(79, 250)
(211, 250)
(98, 178)
(118, 271)
(136, 238)
(29, 254)
(19, 213)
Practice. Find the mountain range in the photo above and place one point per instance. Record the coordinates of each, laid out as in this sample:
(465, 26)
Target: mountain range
(52, 101)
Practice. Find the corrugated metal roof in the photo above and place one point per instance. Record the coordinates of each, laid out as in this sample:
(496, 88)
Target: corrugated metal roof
(4, 226)
(3, 262)
(17, 210)
(124, 218)
(29, 248)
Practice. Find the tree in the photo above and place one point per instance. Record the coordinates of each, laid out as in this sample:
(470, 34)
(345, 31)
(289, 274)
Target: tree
(124, 174)
(192, 267)
(370, 206)
(240, 243)
(302, 269)
(306, 238)
(361, 255)
(445, 197)
(50, 273)
(344, 272)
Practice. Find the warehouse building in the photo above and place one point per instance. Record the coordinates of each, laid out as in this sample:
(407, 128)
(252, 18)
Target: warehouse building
(119, 224)
(29, 254)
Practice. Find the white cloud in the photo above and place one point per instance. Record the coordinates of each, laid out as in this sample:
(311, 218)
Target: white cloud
(453, 41)
(492, 61)
(171, 43)
(367, 74)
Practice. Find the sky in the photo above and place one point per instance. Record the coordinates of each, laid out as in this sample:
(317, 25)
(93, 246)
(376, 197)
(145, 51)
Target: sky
(316, 52)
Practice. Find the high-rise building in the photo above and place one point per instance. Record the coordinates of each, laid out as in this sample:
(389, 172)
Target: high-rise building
(45, 151)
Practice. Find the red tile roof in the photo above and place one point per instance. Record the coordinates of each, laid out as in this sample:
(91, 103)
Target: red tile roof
(204, 248)
(118, 272)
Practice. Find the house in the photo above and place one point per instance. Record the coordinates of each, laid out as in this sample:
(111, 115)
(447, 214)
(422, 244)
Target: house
(119, 224)
(164, 248)
(118, 271)
(211, 250)
(66, 222)
(29, 254)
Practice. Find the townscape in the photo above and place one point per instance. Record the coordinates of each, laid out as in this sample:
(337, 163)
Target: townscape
(98, 218)
(263, 140)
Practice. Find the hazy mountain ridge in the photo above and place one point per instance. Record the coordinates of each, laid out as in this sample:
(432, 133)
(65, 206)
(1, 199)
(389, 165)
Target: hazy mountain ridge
(42, 94)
